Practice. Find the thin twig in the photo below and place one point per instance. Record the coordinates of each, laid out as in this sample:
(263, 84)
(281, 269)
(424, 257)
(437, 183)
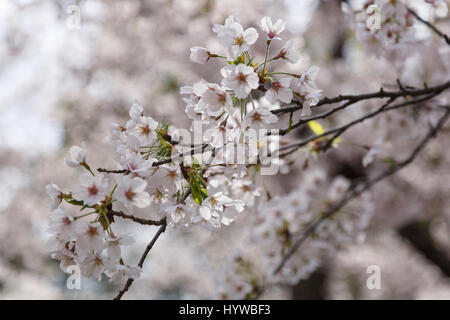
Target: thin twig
(142, 259)
(358, 190)
(356, 98)
(113, 171)
(136, 219)
(204, 148)
(295, 146)
(162, 222)
(432, 27)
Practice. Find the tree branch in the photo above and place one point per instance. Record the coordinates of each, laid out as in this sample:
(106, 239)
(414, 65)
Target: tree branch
(161, 230)
(356, 98)
(113, 171)
(432, 27)
(130, 281)
(122, 215)
(339, 130)
(358, 190)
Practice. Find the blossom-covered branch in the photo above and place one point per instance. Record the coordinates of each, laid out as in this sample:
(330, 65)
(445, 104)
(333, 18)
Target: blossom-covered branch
(431, 26)
(140, 264)
(206, 175)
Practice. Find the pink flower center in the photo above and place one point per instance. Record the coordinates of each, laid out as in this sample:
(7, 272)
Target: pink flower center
(276, 86)
(241, 77)
(256, 117)
(222, 98)
(145, 130)
(93, 190)
(130, 194)
(92, 232)
(66, 221)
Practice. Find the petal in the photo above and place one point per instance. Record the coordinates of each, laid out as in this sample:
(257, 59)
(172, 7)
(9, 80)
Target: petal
(271, 96)
(142, 200)
(313, 71)
(205, 212)
(251, 35)
(138, 185)
(86, 180)
(285, 95)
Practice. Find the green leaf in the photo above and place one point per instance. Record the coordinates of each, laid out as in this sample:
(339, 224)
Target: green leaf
(75, 202)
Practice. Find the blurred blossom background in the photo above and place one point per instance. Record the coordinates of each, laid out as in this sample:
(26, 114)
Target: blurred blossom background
(62, 84)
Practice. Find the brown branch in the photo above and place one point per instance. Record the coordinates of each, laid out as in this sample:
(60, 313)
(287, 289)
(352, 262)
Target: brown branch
(161, 230)
(203, 148)
(130, 281)
(113, 171)
(339, 130)
(122, 215)
(358, 190)
(432, 27)
(193, 151)
(420, 238)
(379, 94)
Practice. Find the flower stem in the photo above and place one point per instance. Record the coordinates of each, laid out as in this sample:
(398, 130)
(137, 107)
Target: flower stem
(267, 54)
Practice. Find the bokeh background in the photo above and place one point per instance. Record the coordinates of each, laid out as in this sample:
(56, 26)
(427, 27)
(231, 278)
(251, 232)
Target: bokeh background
(61, 85)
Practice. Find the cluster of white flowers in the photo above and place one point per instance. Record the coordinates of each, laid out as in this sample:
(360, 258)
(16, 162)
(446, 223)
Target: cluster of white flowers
(383, 26)
(90, 244)
(243, 74)
(159, 168)
(282, 220)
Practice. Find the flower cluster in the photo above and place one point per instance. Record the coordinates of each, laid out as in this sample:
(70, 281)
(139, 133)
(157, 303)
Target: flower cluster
(282, 220)
(184, 181)
(91, 244)
(383, 26)
(243, 74)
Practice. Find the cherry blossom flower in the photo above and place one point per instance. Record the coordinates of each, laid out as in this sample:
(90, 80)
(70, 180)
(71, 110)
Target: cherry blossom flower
(77, 156)
(63, 223)
(121, 272)
(306, 89)
(179, 213)
(280, 90)
(113, 246)
(246, 190)
(55, 194)
(259, 117)
(66, 257)
(131, 192)
(287, 53)
(143, 128)
(241, 79)
(91, 237)
(93, 265)
(233, 36)
(213, 207)
(271, 29)
(92, 189)
(213, 98)
(311, 99)
(136, 112)
(135, 163)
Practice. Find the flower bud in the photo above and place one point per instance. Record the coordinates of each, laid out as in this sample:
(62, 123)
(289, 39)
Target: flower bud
(199, 55)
